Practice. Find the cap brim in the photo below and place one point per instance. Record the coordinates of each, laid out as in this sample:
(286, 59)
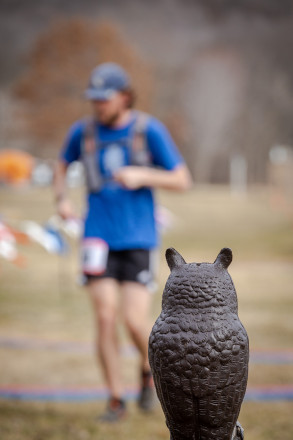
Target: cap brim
(100, 95)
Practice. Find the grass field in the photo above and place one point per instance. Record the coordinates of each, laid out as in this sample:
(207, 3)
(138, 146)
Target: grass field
(42, 309)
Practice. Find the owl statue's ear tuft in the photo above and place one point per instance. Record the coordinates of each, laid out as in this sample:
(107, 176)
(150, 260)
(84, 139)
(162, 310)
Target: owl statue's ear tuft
(224, 258)
(174, 259)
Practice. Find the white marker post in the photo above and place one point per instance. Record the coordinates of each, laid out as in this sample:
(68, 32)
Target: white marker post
(238, 174)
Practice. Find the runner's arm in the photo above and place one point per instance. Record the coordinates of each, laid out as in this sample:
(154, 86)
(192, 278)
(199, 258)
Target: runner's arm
(133, 177)
(63, 204)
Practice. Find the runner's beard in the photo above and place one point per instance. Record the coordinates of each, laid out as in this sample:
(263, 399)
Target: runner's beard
(110, 121)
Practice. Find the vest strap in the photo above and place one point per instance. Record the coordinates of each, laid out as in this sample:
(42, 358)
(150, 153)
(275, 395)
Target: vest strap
(140, 155)
(89, 148)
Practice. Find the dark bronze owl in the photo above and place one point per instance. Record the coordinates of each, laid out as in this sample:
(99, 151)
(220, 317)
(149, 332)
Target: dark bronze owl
(198, 350)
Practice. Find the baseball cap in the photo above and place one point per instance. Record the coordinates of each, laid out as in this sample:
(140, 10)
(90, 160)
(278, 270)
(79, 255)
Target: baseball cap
(105, 80)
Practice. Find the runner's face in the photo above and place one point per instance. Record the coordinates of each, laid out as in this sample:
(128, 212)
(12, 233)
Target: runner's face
(108, 112)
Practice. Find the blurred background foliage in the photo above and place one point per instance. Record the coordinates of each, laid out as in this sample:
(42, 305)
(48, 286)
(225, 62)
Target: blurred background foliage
(217, 72)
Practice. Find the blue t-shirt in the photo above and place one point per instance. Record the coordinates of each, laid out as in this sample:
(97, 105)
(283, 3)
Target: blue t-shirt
(123, 218)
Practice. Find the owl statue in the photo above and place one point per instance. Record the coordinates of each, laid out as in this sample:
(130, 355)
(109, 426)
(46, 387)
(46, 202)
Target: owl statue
(199, 351)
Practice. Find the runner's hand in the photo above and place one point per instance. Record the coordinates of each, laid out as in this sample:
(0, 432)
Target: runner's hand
(132, 177)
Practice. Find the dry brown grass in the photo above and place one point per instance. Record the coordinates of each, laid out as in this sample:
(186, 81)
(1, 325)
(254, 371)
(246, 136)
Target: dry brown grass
(43, 303)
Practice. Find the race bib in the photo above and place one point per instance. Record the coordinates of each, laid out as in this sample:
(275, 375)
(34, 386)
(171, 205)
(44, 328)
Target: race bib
(94, 256)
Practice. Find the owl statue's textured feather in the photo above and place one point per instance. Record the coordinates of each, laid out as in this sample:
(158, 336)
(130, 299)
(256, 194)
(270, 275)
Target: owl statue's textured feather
(198, 350)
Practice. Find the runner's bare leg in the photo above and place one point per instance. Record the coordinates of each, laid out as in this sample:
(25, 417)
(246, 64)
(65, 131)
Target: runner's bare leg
(136, 302)
(104, 297)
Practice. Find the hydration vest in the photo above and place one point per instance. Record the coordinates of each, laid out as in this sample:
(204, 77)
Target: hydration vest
(136, 141)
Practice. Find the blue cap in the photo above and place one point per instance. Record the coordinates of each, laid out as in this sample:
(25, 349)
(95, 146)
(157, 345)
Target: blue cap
(106, 79)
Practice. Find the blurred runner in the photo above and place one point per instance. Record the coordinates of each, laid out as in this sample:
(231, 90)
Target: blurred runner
(126, 154)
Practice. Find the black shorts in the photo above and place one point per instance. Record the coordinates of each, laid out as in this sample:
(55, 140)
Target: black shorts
(129, 265)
